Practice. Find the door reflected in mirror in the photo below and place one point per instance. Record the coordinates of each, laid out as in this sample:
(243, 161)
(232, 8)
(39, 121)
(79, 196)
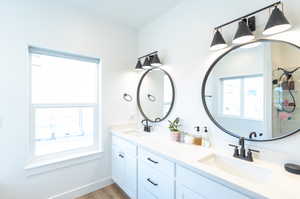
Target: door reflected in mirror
(254, 90)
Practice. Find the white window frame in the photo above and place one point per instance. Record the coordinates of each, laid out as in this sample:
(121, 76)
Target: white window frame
(221, 101)
(95, 150)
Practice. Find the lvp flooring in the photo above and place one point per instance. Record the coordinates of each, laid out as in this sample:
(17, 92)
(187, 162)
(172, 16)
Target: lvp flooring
(109, 192)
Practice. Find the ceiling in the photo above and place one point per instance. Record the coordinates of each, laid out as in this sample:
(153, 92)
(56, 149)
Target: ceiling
(134, 13)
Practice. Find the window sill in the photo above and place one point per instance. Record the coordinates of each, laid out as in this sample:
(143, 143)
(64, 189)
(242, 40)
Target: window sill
(239, 118)
(43, 166)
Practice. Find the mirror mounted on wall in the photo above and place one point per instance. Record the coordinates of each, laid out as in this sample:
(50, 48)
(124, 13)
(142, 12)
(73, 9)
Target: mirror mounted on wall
(253, 90)
(155, 94)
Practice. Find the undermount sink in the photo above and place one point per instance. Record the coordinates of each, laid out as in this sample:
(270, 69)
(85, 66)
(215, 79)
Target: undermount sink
(135, 133)
(239, 168)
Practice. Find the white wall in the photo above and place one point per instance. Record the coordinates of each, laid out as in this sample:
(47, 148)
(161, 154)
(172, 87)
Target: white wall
(57, 26)
(183, 36)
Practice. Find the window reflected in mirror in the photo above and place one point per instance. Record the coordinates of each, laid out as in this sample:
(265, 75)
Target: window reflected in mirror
(256, 89)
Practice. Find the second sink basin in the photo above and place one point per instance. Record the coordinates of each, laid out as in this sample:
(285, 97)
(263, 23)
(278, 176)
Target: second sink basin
(239, 168)
(135, 133)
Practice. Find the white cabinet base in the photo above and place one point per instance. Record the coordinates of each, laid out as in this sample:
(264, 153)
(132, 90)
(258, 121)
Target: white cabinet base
(184, 193)
(144, 174)
(124, 166)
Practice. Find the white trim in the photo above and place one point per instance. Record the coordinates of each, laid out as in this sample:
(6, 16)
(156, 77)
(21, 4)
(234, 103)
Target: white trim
(242, 97)
(83, 190)
(240, 118)
(39, 167)
(55, 53)
(268, 93)
(87, 105)
(64, 155)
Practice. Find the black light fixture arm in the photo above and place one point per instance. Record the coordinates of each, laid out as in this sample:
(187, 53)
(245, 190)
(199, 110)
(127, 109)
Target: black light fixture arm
(248, 15)
(155, 52)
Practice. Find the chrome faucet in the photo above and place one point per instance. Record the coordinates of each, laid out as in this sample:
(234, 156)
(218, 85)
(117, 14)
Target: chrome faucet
(241, 154)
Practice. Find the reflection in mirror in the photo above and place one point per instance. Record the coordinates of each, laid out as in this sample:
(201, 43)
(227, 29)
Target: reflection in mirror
(127, 97)
(155, 95)
(254, 90)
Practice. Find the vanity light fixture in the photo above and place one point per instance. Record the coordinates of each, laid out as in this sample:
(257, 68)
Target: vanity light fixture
(139, 65)
(150, 60)
(155, 61)
(243, 33)
(277, 23)
(218, 41)
(147, 64)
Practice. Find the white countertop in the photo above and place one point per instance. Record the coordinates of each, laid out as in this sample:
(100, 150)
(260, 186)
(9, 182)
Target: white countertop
(278, 185)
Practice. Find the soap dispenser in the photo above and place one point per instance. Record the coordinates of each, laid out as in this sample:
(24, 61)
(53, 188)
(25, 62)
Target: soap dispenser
(198, 137)
(205, 138)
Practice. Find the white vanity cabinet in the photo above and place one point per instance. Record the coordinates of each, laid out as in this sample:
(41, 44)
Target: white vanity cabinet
(156, 176)
(124, 165)
(183, 192)
(192, 185)
(146, 174)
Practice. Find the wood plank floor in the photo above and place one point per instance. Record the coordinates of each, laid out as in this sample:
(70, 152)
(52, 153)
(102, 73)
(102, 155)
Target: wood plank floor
(109, 192)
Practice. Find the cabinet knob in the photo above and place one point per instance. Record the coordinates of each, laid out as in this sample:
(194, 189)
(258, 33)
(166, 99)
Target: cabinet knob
(121, 156)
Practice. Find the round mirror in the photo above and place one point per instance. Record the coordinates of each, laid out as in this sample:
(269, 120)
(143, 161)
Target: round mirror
(155, 95)
(253, 90)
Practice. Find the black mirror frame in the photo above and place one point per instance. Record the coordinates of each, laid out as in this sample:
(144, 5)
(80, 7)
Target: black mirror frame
(138, 95)
(206, 78)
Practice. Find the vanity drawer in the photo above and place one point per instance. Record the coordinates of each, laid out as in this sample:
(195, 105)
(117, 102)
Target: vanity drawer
(126, 147)
(144, 194)
(204, 186)
(157, 184)
(157, 163)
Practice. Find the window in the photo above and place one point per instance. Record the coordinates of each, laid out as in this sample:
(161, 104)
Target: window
(64, 102)
(231, 97)
(243, 97)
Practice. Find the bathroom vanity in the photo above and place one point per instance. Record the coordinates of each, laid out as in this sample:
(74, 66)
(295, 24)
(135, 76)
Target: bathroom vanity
(251, 93)
(150, 166)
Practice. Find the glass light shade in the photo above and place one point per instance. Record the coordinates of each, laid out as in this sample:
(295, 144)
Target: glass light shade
(277, 29)
(243, 39)
(277, 23)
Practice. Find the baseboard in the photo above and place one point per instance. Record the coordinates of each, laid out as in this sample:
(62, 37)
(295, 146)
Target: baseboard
(83, 190)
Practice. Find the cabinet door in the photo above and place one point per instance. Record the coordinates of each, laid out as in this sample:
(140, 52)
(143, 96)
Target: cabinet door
(204, 186)
(130, 176)
(118, 166)
(185, 193)
(143, 194)
(159, 185)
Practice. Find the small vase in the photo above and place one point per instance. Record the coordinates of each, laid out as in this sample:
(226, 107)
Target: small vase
(175, 136)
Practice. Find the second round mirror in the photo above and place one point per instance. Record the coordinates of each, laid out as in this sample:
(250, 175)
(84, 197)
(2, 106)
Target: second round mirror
(155, 95)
